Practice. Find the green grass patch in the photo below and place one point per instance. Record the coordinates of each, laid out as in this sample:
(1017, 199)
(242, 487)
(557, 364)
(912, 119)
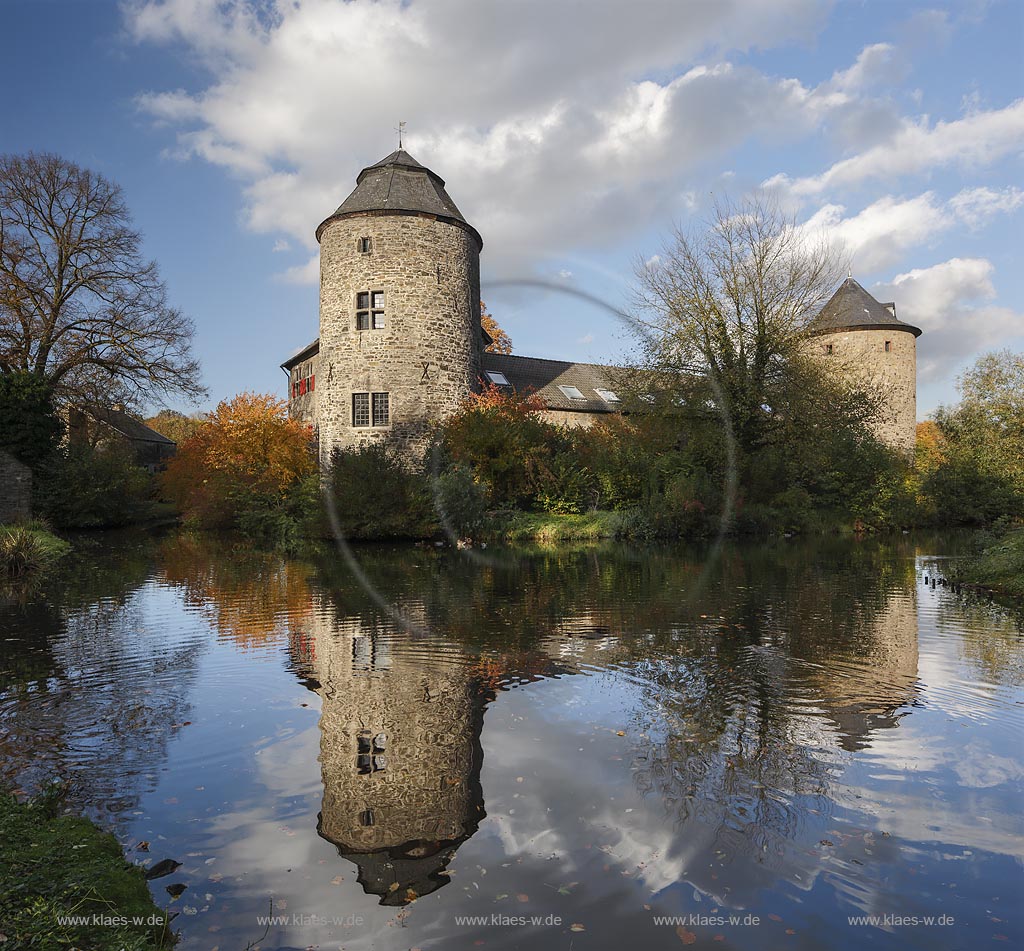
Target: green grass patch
(999, 567)
(548, 529)
(54, 865)
(28, 547)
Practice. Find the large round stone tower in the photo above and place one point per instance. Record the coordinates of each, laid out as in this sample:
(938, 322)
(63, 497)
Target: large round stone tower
(862, 339)
(400, 336)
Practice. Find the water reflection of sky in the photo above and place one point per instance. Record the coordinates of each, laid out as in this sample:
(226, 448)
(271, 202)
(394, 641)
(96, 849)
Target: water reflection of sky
(814, 734)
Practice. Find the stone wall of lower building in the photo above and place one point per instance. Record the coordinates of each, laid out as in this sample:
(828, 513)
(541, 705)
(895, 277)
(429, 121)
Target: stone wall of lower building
(861, 355)
(570, 419)
(425, 356)
(15, 489)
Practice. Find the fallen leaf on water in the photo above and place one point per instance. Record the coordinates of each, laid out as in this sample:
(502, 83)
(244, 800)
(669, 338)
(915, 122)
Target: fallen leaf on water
(790, 931)
(576, 926)
(687, 937)
(523, 897)
(143, 846)
(411, 894)
(337, 880)
(620, 732)
(775, 918)
(393, 887)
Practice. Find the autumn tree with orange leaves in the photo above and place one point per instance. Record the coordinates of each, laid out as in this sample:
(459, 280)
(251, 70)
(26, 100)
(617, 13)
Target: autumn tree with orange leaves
(243, 467)
(501, 342)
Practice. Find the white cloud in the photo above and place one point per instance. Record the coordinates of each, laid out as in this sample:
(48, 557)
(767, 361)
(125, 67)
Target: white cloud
(547, 141)
(978, 139)
(308, 273)
(880, 235)
(975, 206)
(877, 64)
(952, 303)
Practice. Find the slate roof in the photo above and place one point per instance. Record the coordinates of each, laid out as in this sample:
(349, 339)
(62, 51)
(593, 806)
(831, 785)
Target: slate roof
(400, 184)
(127, 426)
(303, 353)
(853, 308)
(540, 376)
(545, 376)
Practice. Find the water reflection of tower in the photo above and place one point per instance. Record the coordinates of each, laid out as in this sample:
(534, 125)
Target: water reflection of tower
(864, 692)
(400, 755)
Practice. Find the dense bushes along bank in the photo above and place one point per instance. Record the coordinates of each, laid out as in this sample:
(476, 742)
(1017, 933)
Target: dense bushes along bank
(999, 567)
(498, 469)
(53, 866)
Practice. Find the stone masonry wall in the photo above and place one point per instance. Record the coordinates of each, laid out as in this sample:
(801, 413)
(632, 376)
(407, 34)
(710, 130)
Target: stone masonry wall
(15, 489)
(861, 355)
(426, 356)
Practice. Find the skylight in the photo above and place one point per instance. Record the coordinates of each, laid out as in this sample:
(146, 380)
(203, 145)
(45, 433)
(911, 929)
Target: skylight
(573, 392)
(609, 396)
(498, 379)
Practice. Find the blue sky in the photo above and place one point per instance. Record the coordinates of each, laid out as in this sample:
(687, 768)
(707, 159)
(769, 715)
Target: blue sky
(573, 136)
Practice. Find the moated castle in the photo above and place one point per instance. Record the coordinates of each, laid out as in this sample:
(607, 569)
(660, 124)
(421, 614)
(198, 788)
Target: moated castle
(401, 344)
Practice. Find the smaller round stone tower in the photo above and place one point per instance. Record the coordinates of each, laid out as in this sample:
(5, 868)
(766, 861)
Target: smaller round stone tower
(400, 336)
(863, 340)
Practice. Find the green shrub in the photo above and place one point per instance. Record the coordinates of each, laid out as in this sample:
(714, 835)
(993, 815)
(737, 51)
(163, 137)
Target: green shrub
(29, 426)
(372, 495)
(461, 502)
(86, 487)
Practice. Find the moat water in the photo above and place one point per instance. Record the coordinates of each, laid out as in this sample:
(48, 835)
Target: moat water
(506, 749)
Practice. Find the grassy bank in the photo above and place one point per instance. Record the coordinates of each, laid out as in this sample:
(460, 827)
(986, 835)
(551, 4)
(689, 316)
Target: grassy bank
(999, 567)
(56, 865)
(550, 529)
(28, 547)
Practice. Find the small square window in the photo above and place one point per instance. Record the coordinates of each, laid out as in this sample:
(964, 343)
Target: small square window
(609, 396)
(363, 300)
(363, 320)
(378, 320)
(573, 392)
(365, 245)
(378, 300)
(888, 346)
(828, 349)
(498, 379)
(381, 409)
(360, 409)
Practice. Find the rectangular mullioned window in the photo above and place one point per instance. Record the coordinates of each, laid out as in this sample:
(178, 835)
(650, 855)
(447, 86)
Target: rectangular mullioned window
(371, 409)
(370, 310)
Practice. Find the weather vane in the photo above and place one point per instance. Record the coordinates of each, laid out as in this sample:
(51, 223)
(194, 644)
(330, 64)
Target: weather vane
(400, 130)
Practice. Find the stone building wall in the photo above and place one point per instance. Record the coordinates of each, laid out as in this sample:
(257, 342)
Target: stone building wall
(427, 355)
(570, 419)
(302, 399)
(15, 489)
(861, 355)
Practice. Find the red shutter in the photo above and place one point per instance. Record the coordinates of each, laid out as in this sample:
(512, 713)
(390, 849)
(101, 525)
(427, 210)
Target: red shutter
(312, 383)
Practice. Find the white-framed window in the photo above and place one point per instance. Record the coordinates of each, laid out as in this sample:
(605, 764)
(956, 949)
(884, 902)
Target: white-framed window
(371, 409)
(609, 396)
(370, 310)
(573, 392)
(498, 379)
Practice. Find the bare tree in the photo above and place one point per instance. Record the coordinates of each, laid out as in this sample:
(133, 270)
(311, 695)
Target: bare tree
(79, 306)
(723, 313)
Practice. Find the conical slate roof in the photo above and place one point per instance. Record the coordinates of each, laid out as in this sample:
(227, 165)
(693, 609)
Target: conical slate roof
(400, 184)
(853, 308)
